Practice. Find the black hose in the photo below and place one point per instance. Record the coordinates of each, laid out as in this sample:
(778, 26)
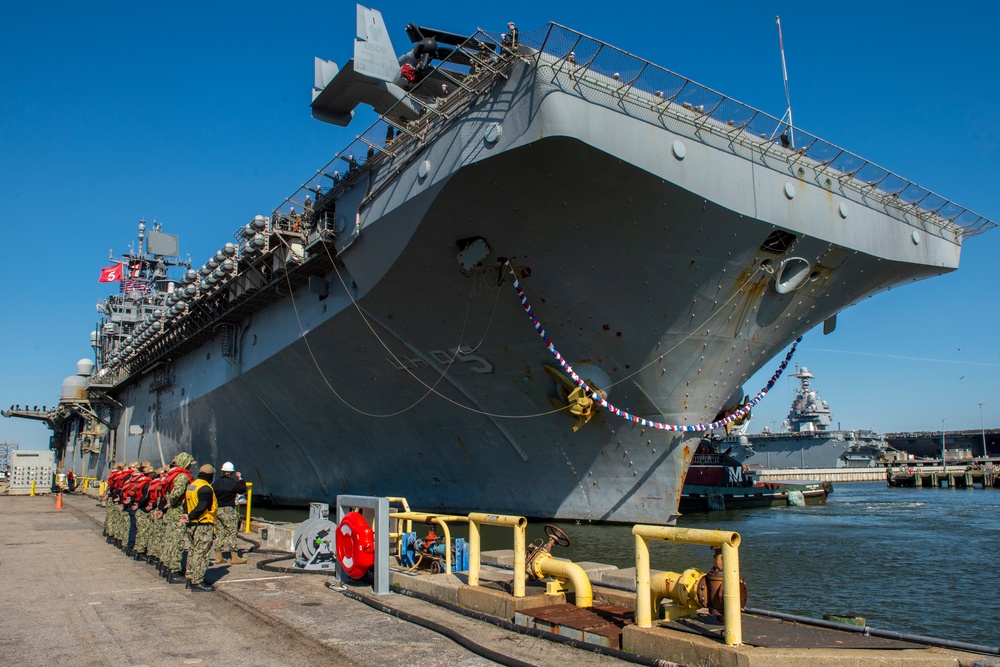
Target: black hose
(462, 641)
(544, 634)
(267, 567)
(257, 548)
(875, 632)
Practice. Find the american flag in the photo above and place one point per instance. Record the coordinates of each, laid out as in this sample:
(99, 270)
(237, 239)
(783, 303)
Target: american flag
(134, 286)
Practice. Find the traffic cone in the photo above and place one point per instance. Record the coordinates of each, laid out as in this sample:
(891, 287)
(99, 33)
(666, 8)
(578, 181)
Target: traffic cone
(59, 504)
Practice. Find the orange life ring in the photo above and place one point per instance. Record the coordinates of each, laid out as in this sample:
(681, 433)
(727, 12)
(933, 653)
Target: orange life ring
(355, 546)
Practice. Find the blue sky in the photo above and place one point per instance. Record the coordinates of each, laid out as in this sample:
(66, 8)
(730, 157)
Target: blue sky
(196, 115)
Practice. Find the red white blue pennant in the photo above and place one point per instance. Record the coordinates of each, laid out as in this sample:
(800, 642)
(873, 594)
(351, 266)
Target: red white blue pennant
(731, 417)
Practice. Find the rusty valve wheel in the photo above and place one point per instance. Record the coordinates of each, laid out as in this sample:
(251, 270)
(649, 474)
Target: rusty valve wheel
(555, 533)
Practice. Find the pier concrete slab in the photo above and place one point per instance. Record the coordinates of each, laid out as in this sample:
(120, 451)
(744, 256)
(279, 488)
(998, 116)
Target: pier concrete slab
(69, 597)
(502, 604)
(690, 649)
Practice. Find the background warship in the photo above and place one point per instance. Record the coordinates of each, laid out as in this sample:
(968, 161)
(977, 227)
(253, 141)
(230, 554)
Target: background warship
(806, 439)
(368, 340)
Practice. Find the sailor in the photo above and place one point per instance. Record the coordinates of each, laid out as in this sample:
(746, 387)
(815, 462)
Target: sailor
(511, 37)
(200, 519)
(352, 164)
(157, 505)
(336, 177)
(174, 487)
(227, 521)
(105, 497)
(140, 511)
(309, 203)
(129, 491)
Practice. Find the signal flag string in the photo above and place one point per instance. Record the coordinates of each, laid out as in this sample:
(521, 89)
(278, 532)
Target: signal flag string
(731, 417)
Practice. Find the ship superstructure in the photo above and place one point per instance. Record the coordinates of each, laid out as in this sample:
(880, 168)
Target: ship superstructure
(364, 337)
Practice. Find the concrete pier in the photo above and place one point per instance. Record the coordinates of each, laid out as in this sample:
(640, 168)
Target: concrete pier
(953, 477)
(69, 597)
(821, 474)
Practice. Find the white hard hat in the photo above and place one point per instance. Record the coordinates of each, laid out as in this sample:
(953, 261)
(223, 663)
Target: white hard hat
(228, 467)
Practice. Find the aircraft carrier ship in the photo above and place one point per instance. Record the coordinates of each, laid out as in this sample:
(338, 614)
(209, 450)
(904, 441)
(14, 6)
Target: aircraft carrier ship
(526, 202)
(806, 439)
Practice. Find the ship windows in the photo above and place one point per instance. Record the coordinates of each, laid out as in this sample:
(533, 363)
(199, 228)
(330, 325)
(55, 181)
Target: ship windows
(778, 241)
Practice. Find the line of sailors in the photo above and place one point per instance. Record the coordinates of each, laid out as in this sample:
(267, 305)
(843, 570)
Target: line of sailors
(156, 514)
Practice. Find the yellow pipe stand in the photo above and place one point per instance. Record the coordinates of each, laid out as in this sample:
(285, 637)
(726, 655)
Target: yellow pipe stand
(728, 540)
(246, 526)
(519, 524)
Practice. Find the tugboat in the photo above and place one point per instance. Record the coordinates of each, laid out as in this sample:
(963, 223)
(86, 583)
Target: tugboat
(716, 480)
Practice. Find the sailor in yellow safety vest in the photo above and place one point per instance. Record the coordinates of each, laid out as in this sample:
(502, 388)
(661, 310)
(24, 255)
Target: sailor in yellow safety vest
(200, 519)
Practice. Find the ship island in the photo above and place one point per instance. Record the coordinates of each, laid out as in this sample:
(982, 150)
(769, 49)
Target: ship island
(532, 286)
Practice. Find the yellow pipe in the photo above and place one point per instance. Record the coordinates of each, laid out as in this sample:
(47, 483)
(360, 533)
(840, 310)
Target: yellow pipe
(708, 538)
(519, 524)
(660, 586)
(728, 540)
(32, 488)
(731, 593)
(578, 579)
(643, 594)
(246, 528)
(679, 587)
(406, 508)
(447, 543)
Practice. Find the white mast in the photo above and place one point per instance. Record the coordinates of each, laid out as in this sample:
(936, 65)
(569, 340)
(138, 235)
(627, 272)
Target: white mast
(784, 72)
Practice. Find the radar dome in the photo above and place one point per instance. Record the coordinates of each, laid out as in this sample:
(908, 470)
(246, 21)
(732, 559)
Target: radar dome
(74, 388)
(85, 367)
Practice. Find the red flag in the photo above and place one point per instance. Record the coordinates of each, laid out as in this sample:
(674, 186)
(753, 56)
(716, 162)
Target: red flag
(111, 274)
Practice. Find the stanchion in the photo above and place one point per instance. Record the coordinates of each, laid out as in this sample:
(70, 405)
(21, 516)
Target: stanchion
(59, 504)
(249, 500)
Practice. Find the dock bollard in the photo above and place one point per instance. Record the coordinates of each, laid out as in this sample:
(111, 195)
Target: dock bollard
(32, 494)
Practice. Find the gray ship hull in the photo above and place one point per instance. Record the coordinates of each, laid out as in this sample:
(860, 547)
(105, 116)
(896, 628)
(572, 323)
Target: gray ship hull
(650, 267)
(829, 449)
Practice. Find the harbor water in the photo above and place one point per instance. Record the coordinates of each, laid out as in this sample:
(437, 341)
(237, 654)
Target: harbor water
(918, 561)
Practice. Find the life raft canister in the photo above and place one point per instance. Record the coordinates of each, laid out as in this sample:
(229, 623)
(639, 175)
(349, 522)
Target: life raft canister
(355, 546)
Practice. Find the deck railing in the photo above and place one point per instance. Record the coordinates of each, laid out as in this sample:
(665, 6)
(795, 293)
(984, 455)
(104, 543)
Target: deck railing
(653, 93)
